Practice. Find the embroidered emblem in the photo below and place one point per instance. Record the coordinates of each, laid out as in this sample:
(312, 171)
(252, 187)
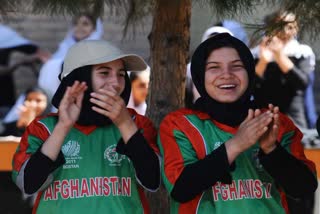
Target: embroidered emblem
(112, 156)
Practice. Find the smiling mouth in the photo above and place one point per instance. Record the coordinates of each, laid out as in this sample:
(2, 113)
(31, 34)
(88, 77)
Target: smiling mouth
(227, 86)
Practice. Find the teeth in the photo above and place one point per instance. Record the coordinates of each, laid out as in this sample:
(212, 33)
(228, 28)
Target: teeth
(227, 86)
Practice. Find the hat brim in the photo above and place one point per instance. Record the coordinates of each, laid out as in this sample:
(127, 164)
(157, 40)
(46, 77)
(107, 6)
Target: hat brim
(132, 63)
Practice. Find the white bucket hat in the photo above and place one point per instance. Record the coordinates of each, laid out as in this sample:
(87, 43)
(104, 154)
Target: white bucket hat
(93, 52)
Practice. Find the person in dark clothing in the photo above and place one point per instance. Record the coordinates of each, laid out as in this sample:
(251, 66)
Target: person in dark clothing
(283, 66)
(10, 43)
(226, 154)
(100, 154)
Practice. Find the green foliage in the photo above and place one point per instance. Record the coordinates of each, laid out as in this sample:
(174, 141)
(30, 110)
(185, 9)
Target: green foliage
(228, 8)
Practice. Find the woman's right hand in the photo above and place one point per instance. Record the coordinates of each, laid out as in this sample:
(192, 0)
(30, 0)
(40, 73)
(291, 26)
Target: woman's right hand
(70, 105)
(265, 54)
(27, 112)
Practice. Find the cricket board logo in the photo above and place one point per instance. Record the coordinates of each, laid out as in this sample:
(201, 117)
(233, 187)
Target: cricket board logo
(112, 156)
(71, 151)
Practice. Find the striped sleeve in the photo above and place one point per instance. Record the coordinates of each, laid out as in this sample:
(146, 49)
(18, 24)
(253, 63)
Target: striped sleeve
(31, 140)
(175, 147)
(290, 138)
(148, 130)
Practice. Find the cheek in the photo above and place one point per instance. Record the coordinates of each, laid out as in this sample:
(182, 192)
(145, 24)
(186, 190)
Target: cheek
(96, 83)
(88, 30)
(244, 82)
(41, 107)
(208, 80)
(122, 84)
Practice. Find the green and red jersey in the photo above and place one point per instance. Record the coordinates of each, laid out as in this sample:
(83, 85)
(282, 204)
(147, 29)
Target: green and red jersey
(187, 136)
(95, 178)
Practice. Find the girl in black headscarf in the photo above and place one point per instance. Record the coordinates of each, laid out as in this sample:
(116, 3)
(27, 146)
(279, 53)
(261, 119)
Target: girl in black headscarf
(225, 155)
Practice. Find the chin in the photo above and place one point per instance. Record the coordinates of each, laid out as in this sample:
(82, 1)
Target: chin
(227, 100)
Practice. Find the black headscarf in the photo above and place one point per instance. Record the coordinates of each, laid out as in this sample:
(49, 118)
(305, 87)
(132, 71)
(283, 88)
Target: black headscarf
(87, 115)
(231, 114)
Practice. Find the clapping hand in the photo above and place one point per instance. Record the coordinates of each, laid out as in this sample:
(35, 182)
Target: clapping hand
(268, 140)
(27, 112)
(71, 103)
(265, 53)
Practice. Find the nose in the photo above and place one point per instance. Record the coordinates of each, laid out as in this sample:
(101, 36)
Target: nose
(226, 72)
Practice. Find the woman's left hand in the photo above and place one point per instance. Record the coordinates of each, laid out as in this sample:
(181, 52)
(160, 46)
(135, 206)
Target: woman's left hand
(111, 105)
(268, 140)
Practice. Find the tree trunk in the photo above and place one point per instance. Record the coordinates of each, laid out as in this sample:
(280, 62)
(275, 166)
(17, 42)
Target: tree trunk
(169, 42)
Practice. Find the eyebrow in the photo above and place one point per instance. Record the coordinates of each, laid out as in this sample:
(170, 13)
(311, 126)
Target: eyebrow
(237, 60)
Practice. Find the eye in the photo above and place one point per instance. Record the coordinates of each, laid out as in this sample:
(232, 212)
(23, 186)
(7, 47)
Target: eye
(122, 73)
(212, 68)
(237, 66)
(104, 73)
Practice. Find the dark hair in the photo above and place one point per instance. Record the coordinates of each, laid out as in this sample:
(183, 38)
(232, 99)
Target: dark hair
(133, 76)
(277, 18)
(36, 89)
(90, 16)
(272, 18)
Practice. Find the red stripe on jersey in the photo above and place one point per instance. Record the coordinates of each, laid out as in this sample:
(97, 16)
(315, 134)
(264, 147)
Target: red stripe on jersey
(296, 147)
(149, 131)
(196, 139)
(144, 201)
(173, 159)
(36, 203)
(21, 154)
(190, 207)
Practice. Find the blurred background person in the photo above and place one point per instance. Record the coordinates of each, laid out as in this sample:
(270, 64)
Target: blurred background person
(36, 103)
(15, 50)
(309, 103)
(235, 28)
(85, 26)
(283, 66)
(139, 90)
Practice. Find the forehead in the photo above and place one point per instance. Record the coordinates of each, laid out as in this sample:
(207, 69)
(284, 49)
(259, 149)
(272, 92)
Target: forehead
(223, 54)
(290, 19)
(113, 64)
(82, 19)
(36, 94)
